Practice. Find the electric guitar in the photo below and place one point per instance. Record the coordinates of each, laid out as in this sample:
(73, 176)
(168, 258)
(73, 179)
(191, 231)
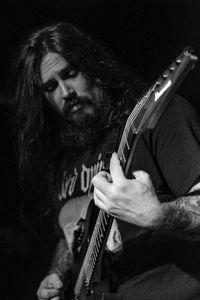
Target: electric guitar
(145, 115)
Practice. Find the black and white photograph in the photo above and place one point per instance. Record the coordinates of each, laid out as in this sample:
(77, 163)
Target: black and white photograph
(100, 150)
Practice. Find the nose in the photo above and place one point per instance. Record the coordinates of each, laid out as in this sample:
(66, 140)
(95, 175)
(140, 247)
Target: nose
(66, 90)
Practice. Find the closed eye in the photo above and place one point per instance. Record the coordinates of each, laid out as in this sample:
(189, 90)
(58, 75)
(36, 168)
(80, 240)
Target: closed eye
(50, 86)
(66, 73)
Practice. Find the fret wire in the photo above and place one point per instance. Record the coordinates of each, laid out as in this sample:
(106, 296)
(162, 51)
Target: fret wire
(134, 114)
(123, 156)
(104, 218)
(91, 267)
(103, 226)
(141, 104)
(91, 264)
(99, 233)
(95, 231)
(97, 240)
(91, 256)
(100, 229)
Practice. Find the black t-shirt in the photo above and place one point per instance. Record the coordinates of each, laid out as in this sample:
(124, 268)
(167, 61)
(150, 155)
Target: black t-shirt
(170, 153)
(159, 266)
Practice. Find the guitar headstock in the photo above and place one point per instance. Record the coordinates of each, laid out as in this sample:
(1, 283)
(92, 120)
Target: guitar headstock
(151, 106)
(166, 85)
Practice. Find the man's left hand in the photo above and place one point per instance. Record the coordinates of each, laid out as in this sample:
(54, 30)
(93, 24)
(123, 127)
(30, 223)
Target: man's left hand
(131, 200)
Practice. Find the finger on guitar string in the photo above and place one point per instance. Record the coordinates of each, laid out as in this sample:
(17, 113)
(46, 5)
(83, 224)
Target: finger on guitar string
(101, 181)
(116, 170)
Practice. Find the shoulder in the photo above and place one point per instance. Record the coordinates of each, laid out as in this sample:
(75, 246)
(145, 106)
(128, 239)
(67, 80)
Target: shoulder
(179, 115)
(177, 129)
(180, 107)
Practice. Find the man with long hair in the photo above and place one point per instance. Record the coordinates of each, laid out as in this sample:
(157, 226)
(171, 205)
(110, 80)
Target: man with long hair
(72, 98)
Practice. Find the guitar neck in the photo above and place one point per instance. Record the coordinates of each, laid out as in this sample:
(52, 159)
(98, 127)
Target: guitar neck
(97, 243)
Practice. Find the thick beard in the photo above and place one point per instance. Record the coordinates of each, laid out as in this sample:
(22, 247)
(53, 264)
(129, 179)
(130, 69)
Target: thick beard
(81, 134)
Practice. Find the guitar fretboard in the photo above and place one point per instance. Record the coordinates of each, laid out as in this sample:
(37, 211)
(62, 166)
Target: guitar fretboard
(103, 222)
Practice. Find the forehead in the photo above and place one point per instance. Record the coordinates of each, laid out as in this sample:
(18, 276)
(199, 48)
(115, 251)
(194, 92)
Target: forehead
(52, 63)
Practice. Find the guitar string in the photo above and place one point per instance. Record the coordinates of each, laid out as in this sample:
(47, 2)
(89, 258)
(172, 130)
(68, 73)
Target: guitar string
(90, 259)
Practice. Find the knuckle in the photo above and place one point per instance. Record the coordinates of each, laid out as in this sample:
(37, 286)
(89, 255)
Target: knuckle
(145, 175)
(45, 293)
(117, 189)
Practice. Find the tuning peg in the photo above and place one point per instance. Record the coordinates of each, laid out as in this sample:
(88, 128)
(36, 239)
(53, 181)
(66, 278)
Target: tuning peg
(165, 76)
(172, 68)
(178, 61)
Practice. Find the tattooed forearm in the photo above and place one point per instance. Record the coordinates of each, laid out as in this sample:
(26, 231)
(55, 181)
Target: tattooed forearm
(62, 261)
(182, 218)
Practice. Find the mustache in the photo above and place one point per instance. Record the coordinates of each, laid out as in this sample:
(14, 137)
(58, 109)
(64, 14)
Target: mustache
(73, 100)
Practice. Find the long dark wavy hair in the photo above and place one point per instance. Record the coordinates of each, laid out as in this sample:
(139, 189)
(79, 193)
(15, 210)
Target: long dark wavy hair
(35, 149)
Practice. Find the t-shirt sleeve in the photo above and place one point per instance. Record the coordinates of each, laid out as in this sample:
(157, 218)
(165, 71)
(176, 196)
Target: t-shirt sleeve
(176, 145)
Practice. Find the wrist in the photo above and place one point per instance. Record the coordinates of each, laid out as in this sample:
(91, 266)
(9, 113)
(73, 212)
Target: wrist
(167, 218)
(159, 220)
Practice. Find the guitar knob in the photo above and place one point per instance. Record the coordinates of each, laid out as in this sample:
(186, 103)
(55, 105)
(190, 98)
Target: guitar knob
(165, 76)
(178, 61)
(171, 69)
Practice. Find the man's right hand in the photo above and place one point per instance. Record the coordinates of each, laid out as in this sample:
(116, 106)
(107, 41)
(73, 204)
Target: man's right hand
(50, 288)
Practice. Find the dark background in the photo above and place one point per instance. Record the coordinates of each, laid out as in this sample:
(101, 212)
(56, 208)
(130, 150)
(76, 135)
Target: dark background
(146, 35)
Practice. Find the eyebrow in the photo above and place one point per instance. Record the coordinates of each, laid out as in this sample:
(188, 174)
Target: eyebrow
(62, 72)
(65, 71)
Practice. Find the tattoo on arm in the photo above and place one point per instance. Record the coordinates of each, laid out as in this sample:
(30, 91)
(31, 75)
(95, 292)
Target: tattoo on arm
(182, 218)
(62, 260)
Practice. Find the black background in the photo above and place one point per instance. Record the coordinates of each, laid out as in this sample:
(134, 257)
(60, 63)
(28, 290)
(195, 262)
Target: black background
(145, 34)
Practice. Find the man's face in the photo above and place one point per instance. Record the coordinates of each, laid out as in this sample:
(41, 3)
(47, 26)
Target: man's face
(79, 104)
(67, 89)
